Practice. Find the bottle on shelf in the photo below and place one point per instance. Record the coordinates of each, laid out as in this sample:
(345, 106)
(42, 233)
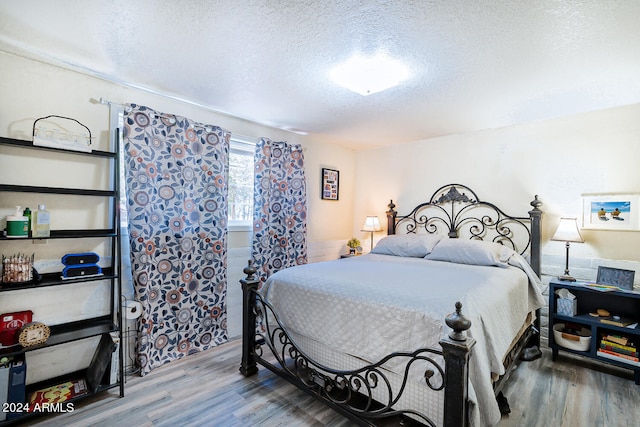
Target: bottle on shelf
(27, 213)
(41, 222)
(17, 224)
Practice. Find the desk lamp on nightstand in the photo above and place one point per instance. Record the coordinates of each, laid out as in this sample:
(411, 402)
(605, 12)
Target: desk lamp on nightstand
(372, 224)
(567, 232)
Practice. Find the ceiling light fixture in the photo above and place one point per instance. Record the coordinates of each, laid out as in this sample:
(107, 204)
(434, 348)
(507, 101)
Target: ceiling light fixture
(369, 74)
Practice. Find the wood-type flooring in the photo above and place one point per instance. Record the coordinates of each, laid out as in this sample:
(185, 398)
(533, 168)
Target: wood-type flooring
(206, 389)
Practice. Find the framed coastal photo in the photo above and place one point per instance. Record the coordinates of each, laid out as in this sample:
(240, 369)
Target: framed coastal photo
(330, 184)
(611, 212)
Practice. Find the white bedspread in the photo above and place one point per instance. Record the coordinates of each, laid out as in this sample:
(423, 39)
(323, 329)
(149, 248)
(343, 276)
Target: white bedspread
(371, 305)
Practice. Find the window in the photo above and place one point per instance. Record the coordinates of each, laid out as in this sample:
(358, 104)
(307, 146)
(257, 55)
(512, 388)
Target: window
(240, 196)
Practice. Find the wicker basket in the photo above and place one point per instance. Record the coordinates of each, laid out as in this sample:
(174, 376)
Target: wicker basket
(17, 268)
(580, 341)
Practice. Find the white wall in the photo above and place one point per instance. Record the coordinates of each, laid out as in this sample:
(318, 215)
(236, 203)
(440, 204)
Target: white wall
(31, 89)
(557, 159)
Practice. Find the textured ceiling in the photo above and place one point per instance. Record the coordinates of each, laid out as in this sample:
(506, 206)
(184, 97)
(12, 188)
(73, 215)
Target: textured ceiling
(474, 64)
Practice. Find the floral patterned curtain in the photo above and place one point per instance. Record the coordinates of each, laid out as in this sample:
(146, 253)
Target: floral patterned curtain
(176, 174)
(280, 207)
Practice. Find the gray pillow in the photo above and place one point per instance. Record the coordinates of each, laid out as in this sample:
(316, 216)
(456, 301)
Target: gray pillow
(408, 245)
(476, 252)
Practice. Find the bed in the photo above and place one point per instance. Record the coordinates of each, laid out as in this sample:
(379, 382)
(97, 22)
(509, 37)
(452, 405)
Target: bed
(424, 330)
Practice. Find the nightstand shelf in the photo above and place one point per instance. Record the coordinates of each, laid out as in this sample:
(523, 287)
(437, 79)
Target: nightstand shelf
(625, 304)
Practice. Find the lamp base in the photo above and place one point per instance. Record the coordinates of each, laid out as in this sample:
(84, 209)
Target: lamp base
(567, 278)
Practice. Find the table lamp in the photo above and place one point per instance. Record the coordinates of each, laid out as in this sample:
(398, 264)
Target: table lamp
(371, 224)
(567, 232)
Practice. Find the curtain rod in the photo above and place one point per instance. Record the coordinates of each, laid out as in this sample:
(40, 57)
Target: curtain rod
(296, 131)
(240, 138)
(110, 103)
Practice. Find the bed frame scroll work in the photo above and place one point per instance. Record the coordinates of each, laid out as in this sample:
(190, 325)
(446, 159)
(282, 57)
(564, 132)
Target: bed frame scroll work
(456, 210)
(352, 392)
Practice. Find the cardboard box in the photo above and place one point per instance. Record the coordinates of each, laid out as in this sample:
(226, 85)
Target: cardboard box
(10, 324)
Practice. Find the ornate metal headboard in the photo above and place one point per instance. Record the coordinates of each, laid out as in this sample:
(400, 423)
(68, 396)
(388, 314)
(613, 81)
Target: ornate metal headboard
(456, 210)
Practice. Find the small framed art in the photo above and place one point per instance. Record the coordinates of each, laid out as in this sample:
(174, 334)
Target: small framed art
(618, 277)
(330, 184)
(611, 212)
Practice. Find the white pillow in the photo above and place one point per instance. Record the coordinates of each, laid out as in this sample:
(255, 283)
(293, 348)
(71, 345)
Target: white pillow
(476, 252)
(409, 245)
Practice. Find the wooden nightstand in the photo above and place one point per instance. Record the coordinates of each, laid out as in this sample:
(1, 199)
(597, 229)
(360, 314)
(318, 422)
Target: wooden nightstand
(625, 304)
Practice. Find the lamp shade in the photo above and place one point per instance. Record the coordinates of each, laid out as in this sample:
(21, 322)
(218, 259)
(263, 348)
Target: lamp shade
(372, 224)
(568, 231)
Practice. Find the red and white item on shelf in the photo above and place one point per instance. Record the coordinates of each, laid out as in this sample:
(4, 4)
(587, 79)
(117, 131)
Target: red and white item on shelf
(10, 324)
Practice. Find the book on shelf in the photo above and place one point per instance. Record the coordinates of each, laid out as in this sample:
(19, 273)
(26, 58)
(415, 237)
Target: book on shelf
(4, 387)
(619, 357)
(630, 347)
(601, 288)
(617, 321)
(59, 393)
(604, 346)
(618, 339)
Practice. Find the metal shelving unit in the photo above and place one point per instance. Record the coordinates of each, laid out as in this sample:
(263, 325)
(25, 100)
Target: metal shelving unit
(102, 326)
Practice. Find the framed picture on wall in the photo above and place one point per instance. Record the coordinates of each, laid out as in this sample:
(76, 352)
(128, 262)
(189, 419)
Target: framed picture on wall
(330, 184)
(611, 212)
